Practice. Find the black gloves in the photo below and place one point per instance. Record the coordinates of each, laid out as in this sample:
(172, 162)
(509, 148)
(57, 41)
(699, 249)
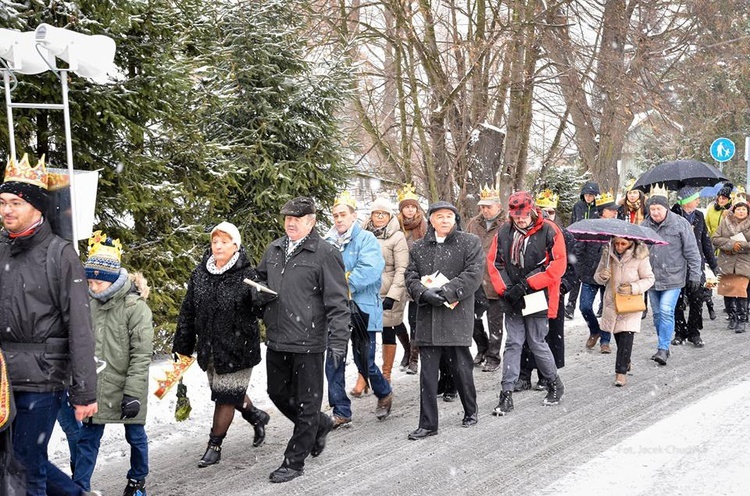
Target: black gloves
(388, 303)
(694, 286)
(515, 293)
(433, 296)
(336, 357)
(129, 407)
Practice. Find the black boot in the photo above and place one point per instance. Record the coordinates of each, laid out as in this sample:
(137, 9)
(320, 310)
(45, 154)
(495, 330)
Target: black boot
(213, 452)
(732, 312)
(555, 392)
(258, 419)
(403, 338)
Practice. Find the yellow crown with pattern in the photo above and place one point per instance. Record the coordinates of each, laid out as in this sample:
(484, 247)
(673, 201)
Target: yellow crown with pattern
(101, 245)
(738, 190)
(657, 190)
(605, 198)
(547, 199)
(408, 192)
(489, 194)
(23, 172)
(628, 186)
(345, 198)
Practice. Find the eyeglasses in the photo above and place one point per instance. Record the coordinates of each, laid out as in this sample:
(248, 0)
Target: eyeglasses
(381, 214)
(622, 243)
(14, 204)
(550, 211)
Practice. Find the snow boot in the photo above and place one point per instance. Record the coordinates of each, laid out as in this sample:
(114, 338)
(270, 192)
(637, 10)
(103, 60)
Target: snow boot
(361, 388)
(403, 338)
(505, 405)
(661, 357)
(258, 419)
(555, 392)
(135, 488)
(384, 407)
(213, 452)
(389, 355)
(413, 367)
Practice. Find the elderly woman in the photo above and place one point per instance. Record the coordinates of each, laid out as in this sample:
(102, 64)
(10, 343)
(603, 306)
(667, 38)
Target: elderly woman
(734, 257)
(218, 318)
(384, 225)
(624, 267)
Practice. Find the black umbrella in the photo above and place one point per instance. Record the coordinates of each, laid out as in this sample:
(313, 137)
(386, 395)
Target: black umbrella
(360, 338)
(675, 175)
(602, 230)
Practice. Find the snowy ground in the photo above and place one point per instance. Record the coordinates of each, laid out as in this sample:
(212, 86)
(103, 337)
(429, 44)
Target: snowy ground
(680, 429)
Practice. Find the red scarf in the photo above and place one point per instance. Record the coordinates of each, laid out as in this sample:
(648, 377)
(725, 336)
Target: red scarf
(28, 232)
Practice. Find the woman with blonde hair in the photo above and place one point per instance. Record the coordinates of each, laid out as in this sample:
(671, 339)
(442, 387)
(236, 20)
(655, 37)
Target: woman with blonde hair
(625, 269)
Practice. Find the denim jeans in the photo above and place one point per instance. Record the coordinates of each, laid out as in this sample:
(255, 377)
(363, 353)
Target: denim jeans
(663, 304)
(88, 450)
(337, 398)
(35, 418)
(588, 295)
(66, 417)
(379, 384)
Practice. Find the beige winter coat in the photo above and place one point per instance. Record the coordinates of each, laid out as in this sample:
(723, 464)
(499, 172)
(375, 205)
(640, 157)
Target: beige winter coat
(396, 255)
(730, 261)
(633, 267)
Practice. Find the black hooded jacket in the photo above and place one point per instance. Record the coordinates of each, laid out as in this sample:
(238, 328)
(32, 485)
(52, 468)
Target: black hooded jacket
(583, 210)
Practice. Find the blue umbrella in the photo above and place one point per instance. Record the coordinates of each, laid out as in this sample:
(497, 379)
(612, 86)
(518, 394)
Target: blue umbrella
(712, 191)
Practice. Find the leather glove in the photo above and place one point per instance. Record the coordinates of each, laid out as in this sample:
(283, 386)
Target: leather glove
(515, 293)
(433, 297)
(605, 274)
(694, 286)
(336, 357)
(625, 289)
(129, 407)
(388, 303)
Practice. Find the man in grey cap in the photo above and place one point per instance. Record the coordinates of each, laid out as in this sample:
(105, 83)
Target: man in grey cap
(310, 315)
(445, 317)
(689, 330)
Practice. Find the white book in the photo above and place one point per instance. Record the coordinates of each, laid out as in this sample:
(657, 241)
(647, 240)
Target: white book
(738, 237)
(535, 302)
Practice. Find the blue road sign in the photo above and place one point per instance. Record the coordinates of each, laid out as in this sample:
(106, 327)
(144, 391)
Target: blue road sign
(722, 149)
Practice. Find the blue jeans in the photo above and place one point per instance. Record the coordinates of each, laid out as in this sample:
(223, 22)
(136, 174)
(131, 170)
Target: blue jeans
(337, 398)
(66, 417)
(88, 450)
(379, 384)
(663, 304)
(587, 297)
(32, 427)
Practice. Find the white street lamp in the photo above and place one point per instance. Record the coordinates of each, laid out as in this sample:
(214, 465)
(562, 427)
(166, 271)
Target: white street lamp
(34, 52)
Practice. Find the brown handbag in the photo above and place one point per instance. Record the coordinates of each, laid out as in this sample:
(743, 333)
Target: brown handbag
(732, 285)
(627, 303)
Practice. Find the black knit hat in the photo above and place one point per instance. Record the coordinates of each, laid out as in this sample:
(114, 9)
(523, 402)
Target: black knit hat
(38, 197)
(726, 190)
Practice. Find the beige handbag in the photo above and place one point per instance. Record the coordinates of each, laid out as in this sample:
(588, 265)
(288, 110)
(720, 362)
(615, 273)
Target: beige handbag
(733, 285)
(627, 303)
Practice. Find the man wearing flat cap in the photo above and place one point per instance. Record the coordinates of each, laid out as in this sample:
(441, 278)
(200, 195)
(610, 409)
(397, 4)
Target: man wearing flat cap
(688, 199)
(46, 326)
(310, 315)
(445, 316)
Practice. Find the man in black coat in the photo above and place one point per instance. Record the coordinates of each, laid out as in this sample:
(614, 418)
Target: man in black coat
(310, 315)
(445, 316)
(585, 208)
(689, 330)
(46, 325)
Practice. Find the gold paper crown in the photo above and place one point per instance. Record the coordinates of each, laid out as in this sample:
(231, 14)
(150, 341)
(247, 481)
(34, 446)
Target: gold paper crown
(657, 190)
(103, 246)
(739, 197)
(23, 172)
(546, 199)
(738, 190)
(345, 198)
(629, 185)
(605, 198)
(487, 193)
(407, 193)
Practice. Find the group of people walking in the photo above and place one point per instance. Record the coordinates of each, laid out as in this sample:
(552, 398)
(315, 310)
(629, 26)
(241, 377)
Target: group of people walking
(515, 262)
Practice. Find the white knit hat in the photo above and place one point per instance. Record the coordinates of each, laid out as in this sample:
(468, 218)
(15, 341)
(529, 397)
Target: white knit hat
(381, 205)
(231, 230)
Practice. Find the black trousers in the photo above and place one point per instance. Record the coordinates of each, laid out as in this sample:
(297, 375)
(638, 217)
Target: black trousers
(489, 346)
(295, 385)
(624, 342)
(461, 369)
(555, 339)
(692, 300)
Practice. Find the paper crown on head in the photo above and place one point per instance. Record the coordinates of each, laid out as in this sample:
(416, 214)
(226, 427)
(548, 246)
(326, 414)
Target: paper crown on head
(23, 172)
(605, 199)
(104, 256)
(547, 199)
(738, 190)
(345, 198)
(657, 190)
(628, 186)
(489, 196)
(408, 192)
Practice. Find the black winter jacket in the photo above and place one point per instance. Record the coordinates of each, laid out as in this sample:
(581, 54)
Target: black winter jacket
(583, 210)
(587, 255)
(45, 332)
(312, 310)
(700, 230)
(218, 318)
